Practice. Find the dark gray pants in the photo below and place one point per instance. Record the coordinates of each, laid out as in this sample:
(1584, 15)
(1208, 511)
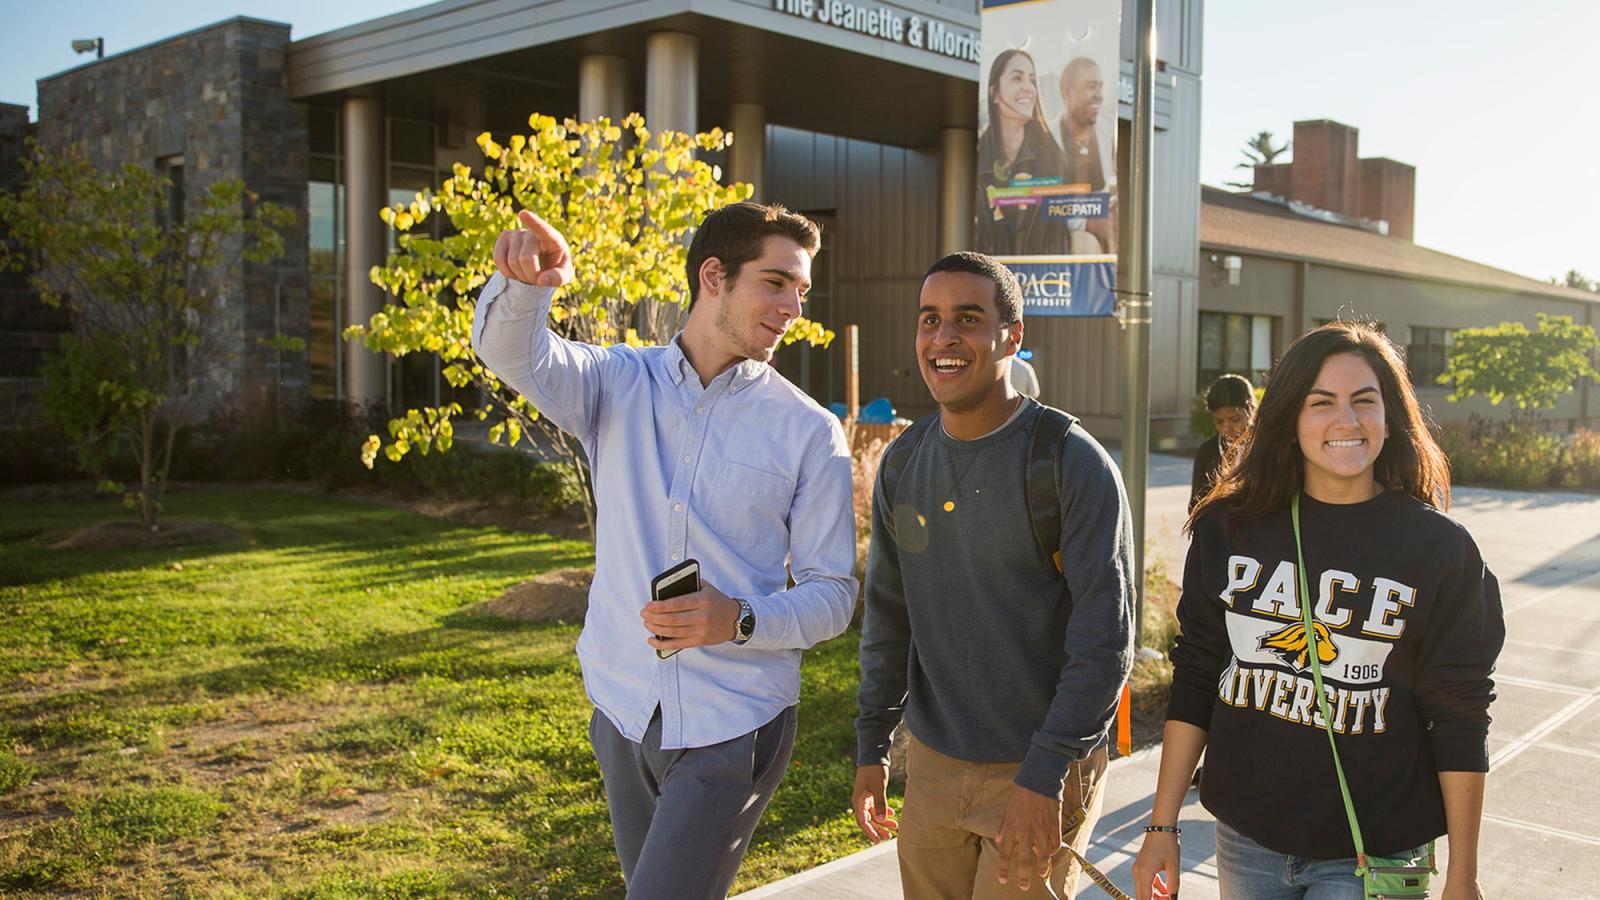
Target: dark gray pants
(682, 819)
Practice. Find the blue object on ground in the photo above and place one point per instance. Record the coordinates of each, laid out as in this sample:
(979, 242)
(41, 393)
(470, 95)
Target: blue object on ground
(878, 412)
(839, 409)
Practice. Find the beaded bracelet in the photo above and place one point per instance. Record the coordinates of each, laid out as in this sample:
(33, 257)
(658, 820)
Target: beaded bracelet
(1168, 829)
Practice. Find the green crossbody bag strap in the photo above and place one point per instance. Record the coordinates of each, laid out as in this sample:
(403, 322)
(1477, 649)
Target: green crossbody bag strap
(1316, 675)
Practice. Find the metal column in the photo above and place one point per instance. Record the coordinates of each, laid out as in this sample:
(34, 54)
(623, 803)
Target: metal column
(1136, 306)
(747, 158)
(671, 81)
(958, 172)
(602, 87)
(366, 243)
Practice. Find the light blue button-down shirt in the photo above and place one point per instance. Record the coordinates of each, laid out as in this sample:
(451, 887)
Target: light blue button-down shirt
(745, 475)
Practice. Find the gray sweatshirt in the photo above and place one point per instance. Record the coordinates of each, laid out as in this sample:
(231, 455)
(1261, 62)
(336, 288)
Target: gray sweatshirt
(970, 634)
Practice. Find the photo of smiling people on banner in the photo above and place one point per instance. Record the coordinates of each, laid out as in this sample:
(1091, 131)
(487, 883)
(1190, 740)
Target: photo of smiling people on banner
(1046, 180)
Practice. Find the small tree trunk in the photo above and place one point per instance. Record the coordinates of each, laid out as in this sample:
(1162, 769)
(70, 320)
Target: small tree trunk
(162, 475)
(142, 456)
(572, 452)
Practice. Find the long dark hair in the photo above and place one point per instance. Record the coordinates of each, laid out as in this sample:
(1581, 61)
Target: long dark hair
(997, 69)
(1266, 468)
(1035, 127)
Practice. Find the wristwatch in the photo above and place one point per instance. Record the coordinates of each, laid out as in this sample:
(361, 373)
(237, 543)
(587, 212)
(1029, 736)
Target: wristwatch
(745, 627)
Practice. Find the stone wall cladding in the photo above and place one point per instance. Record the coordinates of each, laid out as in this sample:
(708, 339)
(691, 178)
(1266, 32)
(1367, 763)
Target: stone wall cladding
(218, 96)
(30, 331)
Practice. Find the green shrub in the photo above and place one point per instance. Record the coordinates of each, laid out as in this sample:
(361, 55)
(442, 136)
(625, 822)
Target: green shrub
(319, 441)
(1583, 469)
(1520, 455)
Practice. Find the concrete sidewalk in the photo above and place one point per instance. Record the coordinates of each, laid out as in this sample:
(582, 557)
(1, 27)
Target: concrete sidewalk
(1540, 837)
(874, 874)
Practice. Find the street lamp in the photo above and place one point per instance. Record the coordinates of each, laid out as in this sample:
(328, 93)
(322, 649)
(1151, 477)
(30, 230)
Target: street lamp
(84, 45)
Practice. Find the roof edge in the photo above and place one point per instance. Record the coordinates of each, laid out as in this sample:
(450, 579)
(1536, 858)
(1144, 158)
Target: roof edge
(1535, 287)
(252, 20)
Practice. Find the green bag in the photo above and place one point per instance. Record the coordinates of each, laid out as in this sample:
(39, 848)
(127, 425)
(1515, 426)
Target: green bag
(1383, 877)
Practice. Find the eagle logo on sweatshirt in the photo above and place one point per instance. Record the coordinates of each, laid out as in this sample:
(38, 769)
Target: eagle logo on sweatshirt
(1290, 645)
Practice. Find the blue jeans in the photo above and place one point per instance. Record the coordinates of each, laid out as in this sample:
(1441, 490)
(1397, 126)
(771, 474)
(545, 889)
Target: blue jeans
(1248, 871)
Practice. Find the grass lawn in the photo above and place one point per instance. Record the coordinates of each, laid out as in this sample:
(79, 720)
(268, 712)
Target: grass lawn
(312, 714)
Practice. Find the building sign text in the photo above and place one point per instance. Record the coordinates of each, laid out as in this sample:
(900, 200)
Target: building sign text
(876, 21)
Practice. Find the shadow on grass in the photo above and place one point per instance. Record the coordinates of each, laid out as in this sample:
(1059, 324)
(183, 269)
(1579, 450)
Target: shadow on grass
(495, 708)
(310, 530)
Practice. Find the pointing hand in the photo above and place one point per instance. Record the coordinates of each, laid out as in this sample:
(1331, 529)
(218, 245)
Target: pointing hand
(536, 253)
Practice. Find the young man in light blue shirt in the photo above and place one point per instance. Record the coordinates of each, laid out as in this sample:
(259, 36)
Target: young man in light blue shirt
(700, 450)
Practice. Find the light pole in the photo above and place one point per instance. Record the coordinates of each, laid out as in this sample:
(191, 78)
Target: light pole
(1136, 297)
(84, 45)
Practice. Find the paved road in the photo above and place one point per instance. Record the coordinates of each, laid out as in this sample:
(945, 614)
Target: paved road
(1541, 832)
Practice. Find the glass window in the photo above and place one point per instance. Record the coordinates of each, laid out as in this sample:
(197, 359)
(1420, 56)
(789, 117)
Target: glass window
(324, 168)
(411, 142)
(172, 168)
(1235, 343)
(325, 236)
(323, 344)
(1210, 345)
(323, 128)
(1428, 353)
(404, 184)
(1260, 343)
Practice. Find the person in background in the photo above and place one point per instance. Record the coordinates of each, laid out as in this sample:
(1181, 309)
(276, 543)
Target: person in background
(1022, 376)
(1232, 402)
(1408, 625)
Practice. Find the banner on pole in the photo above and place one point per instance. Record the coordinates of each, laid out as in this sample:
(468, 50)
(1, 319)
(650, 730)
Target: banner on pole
(1047, 153)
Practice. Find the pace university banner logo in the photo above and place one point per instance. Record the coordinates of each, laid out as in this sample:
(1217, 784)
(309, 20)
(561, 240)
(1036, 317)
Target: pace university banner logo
(1046, 200)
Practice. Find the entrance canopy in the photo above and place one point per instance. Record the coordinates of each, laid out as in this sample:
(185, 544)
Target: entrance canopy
(843, 68)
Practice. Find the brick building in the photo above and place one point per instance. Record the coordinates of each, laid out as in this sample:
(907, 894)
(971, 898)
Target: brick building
(1329, 236)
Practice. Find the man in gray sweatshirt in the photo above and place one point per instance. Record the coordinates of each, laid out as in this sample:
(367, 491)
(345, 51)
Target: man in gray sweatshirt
(1005, 664)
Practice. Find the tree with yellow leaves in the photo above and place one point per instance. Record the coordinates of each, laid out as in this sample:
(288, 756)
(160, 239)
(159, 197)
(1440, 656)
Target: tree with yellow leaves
(627, 200)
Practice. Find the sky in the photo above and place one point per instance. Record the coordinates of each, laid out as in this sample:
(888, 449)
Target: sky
(1493, 102)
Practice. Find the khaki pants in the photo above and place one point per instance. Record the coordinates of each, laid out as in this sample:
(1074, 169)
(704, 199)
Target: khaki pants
(951, 818)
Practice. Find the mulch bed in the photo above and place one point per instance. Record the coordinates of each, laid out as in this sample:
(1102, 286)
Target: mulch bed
(560, 596)
(125, 535)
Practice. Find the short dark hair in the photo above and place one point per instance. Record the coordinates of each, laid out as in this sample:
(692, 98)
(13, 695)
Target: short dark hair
(1069, 72)
(734, 235)
(1231, 390)
(1007, 293)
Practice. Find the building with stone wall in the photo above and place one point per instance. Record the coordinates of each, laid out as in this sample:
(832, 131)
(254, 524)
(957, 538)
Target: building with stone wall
(202, 107)
(873, 136)
(29, 330)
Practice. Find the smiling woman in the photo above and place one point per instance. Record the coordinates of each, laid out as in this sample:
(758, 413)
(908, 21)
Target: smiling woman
(1392, 652)
(1338, 384)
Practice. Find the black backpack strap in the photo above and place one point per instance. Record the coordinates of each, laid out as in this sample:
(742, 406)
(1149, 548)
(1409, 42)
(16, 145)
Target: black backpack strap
(1043, 487)
(899, 455)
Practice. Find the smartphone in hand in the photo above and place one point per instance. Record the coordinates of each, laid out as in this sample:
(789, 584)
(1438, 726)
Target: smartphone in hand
(681, 579)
